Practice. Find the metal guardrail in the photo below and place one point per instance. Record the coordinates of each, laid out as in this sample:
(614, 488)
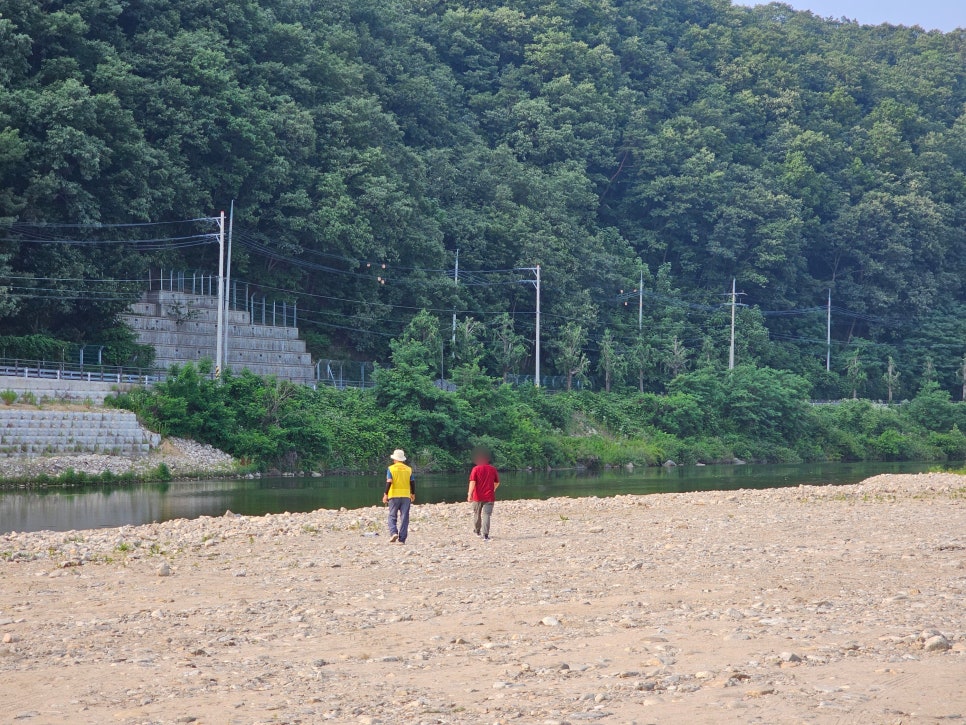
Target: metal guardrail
(335, 373)
(45, 370)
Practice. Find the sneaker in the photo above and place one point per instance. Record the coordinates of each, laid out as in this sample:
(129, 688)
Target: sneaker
(486, 539)
(394, 538)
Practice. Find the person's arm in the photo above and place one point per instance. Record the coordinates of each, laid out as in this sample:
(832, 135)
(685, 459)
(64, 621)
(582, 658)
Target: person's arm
(472, 489)
(412, 488)
(385, 496)
(496, 482)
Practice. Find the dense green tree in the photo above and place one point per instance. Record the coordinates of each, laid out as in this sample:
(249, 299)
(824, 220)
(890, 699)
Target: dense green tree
(611, 363)
(569, 352)
(366, 142)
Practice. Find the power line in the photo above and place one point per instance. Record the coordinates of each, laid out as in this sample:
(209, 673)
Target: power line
(99, 225)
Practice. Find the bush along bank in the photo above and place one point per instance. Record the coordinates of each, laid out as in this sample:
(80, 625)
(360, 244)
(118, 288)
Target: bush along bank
(705, 416)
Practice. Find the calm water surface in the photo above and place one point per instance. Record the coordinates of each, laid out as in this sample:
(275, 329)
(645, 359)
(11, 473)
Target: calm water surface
(102, 506)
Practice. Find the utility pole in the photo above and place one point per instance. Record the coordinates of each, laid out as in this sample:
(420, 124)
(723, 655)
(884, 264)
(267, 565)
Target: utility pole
(734, 301)
(456, 282)
(640, 303)
(536, 337)
(536, 345)
(231, 224)
(220, 331)
(828, 333)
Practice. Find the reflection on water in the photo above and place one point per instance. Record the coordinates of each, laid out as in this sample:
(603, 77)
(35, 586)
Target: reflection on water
(101, 506)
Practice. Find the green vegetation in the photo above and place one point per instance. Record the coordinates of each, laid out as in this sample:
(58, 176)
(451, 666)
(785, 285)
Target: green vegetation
(707, 416)
(70, 477)
(688, 139)
(9, 397)
(672, 145)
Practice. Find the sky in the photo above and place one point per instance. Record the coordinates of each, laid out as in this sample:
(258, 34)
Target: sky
(930, 14)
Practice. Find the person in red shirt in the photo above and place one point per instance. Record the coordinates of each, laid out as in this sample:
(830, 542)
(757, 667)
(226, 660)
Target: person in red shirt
(484, 481)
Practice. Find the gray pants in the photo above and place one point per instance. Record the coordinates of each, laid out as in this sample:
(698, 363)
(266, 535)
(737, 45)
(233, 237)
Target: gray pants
(482, 511)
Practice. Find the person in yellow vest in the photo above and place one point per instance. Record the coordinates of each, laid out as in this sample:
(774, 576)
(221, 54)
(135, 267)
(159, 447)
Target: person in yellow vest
(400, 495)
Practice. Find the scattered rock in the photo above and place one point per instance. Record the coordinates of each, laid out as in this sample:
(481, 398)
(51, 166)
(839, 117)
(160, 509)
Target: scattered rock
(550, 622)
(936, 643)
(164, 570)
(760, 692)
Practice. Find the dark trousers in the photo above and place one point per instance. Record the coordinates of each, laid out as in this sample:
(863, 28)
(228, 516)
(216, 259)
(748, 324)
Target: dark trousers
(399, 517)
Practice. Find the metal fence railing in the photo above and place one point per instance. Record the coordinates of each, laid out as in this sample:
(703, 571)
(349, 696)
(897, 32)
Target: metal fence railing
(344, 374)
(240, 295)
(550, 382)
(48, 370)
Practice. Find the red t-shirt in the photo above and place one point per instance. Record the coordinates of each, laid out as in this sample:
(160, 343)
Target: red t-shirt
(486, 478)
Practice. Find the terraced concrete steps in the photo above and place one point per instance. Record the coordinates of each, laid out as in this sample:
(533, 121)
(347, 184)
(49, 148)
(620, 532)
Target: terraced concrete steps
(181, 327)
(26, 432)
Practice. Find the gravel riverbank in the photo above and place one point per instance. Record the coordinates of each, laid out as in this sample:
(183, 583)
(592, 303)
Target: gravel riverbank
(183, 457)
(811, 604)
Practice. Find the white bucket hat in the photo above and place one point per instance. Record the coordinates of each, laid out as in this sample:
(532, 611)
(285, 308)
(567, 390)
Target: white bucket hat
(398, 455)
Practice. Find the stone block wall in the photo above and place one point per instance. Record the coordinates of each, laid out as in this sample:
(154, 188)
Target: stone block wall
(26, 432)
(181, 327)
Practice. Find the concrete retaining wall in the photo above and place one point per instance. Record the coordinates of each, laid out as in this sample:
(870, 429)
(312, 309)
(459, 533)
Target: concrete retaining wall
(74, 391)
(181, 327)
(26, 432)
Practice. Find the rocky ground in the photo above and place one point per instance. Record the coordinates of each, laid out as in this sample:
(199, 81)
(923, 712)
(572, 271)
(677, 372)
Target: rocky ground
(183, 457)
(803, 605)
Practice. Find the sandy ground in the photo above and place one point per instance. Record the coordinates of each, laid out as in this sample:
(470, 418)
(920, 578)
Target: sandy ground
(803, 605)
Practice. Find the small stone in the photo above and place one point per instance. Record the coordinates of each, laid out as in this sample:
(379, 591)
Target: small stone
(789, 657)
(9, 638)
(239, 573)
(938, 643)
(164, 570)
(550, 622)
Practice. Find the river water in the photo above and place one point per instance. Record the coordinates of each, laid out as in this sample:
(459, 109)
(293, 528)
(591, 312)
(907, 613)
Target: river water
(102, 506)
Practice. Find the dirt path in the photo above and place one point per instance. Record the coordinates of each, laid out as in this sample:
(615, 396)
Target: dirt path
(810, 605)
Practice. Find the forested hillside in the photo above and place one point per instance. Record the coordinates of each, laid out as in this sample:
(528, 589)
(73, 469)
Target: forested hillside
(365, 142)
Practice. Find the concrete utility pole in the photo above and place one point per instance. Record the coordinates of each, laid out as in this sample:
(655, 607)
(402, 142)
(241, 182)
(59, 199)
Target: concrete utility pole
(220, 331)
(536, 344)
(231, 224)
(536, 337)
(734, 305)
(828, 333)
(456, 282)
